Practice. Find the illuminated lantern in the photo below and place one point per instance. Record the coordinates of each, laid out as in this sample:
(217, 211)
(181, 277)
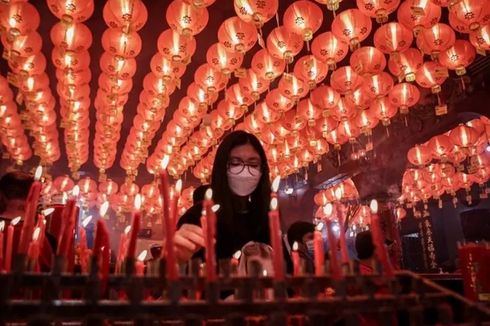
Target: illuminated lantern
(472, 13)
(252, 84)
(209, 78)
(378, 85)
(383, 110)
(87, 185)
(32, 65)
(481, 39)
(309, 111)
(361, 98)
(345, 80)
(349, 129)
(71, 37)
(116, 42)
(130, 19)
(418, 14)
(378, 9)
(237, 35)
(219, 123)
(304, 18)
(478, 125)
(343, 110)
(166, 68)
(175, 46)
(327, 48)
(252, 125)
(337, 139)
(436, 39)
(311, 70)
(458, 57)
(352, 27)
(125, 68)
(23, 45)
(440, 146)
(284, 44)
(115, 85)
(257, 12)
(229, 111)
(293, 122)
(72, 10)
(200, 95)
(220, 58)
(367, 61)
(463, 136)
(63, 183)
(324, 97)
(108, 187)
(431, 75)
(406, 64)
(393, 38)
(185, 18)
(236, 96)
(267, 66)
(419, 155)
(265, 115)
(404, 95)
(19, 18)
(158, 87)
(190, 109)
(70, 60)
(366, 121)
(292, 87)
(278, 102)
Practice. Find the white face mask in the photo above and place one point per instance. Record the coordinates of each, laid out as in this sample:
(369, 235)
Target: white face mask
(244, 183)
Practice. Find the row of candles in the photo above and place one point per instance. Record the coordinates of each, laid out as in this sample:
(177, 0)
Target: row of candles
(32, 235)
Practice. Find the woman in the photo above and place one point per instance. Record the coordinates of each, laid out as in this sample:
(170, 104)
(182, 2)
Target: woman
(240, 183)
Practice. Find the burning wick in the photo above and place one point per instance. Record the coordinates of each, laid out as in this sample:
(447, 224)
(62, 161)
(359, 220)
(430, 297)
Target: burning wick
(16, 220)
(76, 191)
(86, 221)
(374, 206)
(127, 229)
(275, 184)
(142, 255)
(2, 225)
(215, 208)
(48, 211)
(209, 194)
(165, 161)
(103, 208)
(36, 233)
(328, 209)
(38, 173)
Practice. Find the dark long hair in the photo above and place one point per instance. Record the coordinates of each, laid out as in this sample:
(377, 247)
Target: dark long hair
(222, 194)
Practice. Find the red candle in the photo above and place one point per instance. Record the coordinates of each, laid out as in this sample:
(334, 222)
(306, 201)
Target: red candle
(123, 245)
(34, 247)
(276, 240)
(30, 212)
(10, 243)
(83, 245)
(378, 239)
(2, 227)
(174, 202)
(344, 254)
(171, 263)
(332, 246)
(296, 260)
(100, 233)
(140, 263)
(135, 228)
(319, 254)
(210, 235)
(69, 228)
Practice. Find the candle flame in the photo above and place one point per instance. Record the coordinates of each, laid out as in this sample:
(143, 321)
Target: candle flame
(178, 186)
(274, 203)
(237, 254)
(64, 197)
(38, 173)
(48, 211)
(86, 221)
(215, 208)
(275, 183)
(328, 209)
(16, 220)
(76, 191)
(319, 226)
(209, 194)
(338, 193)
(137, 202)
(142, 255)
(2, 225)
(295, 246)
(127, 229)
(374, 206)
(36, 233)
(165, 161)
(103, 208)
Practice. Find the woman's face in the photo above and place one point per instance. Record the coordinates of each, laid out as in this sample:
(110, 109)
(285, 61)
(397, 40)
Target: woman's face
(244, 169)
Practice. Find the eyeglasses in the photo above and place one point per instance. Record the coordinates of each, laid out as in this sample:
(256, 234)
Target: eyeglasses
(236, 166)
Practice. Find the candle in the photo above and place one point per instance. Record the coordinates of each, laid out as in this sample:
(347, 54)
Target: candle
(69, 219)
(100, 230)
(83, 245)
(123, 246)
(332, 246)
(10, 242)
(275, 186)
(378, 239)
(319, 254)
(344, 254)
(30, 212)
(135, 228)
(34, 247)
(140, 263)
(210, 235)
(174, 202)
(276, 240)
(296, 260)
(2, 227)
(235, 259)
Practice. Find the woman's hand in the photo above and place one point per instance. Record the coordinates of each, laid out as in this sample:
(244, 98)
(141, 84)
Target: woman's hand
(188, 240)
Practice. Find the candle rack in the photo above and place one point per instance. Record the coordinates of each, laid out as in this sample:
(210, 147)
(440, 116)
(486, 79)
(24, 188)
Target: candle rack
(41, 298)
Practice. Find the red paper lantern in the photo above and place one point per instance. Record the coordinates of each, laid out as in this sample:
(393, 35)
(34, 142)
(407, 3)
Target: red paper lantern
(32, 65)
(130, 19)
(236, 96)
(267, 66)
(311, 70)
(458, 57)
(209, 78)
(71, 37)
(186, 18)
(304, 18)
(367, 61)
(327, 48)
(345, 80)
(481, 38)
(383, 110)
(366, 121)
(293, 121)
(419, 155)
(431, 75)
(284, 44)
(406, 64)
(404, 95)
(343, 110)
(378, 85)
(125, 68)
(379, 9)
(230, 111)
(436, 39)
(309, 111)
(463, 136)
(175, 46)
(74, 11)
(237, 35)
(200, 95)
(278, 102)
(325, 97)
(292, 87)
(19, 18)
(472, 13)
(166, 68)
(22, 45)
(118, 43)
(257, 12)
(393, 38)
(219, 57)
(325, 125)
(265, 114)
(352, 27)
(252, 84)
(63, 183)
(418, 14)
(361, 98)
(440, 146)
